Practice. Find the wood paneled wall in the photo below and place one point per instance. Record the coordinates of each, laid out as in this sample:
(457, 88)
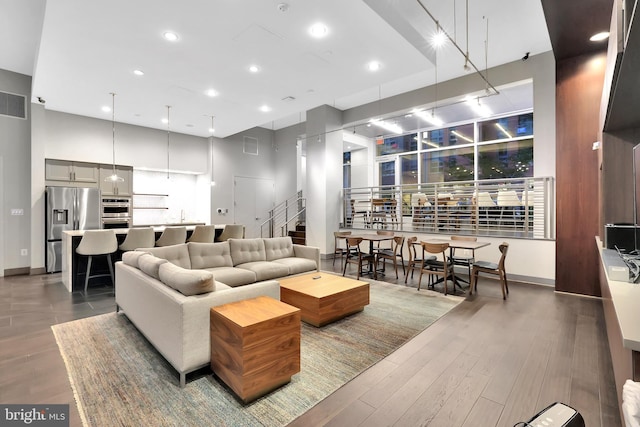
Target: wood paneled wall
(579, 83)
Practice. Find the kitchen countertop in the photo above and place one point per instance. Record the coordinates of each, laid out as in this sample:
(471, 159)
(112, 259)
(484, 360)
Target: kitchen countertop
(626, 302)
(157, 228)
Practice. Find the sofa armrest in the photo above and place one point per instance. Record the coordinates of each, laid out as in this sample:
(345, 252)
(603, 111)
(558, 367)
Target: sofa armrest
(309, 252)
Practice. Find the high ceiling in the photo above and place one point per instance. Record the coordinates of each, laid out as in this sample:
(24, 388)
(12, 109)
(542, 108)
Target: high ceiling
(79, 51)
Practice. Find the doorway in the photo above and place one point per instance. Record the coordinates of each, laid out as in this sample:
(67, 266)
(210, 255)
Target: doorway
(253, 199)
(1, 221)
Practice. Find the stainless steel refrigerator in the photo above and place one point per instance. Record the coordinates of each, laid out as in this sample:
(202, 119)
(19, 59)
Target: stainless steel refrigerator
(68, 208)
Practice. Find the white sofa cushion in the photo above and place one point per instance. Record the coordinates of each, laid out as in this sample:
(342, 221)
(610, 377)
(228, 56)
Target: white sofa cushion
(209, 255)
(150, 264)
(297, 265)
(265, 270)
(278, 247)
(187, 282)
(176, 254)
(232, 276)
(247, 250)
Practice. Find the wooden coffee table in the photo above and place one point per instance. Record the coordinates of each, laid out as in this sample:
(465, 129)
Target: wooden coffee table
(255, 345)
(324, 298)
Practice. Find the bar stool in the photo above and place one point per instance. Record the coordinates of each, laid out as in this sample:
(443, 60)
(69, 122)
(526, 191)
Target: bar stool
(172, 236)
(138, 238)
(203, 234)
(97, 243)
(231, 231)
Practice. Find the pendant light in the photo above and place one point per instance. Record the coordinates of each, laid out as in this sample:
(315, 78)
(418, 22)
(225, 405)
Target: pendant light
(212, 129)
(168, 139)
(114, 176)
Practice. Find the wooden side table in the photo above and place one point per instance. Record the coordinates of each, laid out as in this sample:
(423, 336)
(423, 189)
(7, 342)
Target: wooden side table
(255, 345)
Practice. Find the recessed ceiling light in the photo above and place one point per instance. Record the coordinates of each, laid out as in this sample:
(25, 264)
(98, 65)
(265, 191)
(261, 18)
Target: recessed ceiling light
(599, 37)
(254, 68)
(172, 37)
(373, 66)
(318, 30)
(265, 108)
(165, 121)
(211, 93)
(106, 109)
(138, 72)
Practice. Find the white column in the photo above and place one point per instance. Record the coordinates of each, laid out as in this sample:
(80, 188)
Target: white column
(324, 176)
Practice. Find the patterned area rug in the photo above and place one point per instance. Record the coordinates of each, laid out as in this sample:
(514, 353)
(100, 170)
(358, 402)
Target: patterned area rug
(118, 378)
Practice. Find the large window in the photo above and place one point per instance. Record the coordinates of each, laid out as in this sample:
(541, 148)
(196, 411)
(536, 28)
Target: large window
(447, 165)
(396, 144)
(490, 149)
(512, 159)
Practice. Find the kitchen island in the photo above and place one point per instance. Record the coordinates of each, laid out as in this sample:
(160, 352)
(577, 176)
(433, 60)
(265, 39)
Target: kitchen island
(71, 260)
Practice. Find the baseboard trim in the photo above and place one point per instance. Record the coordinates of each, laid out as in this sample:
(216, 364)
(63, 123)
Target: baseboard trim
(37, 271)
(22, 271)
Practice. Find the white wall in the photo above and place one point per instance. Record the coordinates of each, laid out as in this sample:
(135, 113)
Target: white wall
(229, 161)
(181, 201)
(15, 149)
(286, 161)
(72, 137)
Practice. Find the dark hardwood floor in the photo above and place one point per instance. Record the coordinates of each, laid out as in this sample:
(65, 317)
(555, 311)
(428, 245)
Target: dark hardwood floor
(488, 362)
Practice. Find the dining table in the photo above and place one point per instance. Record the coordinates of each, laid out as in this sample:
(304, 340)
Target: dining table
(372, 238)
(459, 244)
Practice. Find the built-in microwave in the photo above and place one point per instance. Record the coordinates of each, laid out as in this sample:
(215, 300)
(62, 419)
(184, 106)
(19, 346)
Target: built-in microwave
(116, 212)
(116, 208)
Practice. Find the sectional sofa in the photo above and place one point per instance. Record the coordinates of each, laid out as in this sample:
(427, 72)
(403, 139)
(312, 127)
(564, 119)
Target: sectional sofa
(167, 292)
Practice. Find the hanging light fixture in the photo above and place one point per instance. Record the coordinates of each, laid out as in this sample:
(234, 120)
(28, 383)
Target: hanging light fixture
(114, 176)
(168, 138)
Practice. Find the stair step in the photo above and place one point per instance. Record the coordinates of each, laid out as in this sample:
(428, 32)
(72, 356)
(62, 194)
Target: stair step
(298, 237)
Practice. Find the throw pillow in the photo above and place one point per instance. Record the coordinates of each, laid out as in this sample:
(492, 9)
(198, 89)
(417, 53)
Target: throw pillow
(187, 282)
(150, 264)
(131, 257)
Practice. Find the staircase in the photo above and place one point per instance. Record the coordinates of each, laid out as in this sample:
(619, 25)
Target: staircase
(299, 235)
(287, 219)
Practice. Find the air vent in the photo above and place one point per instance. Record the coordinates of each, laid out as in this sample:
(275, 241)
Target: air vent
(250, 145)
(13, 105)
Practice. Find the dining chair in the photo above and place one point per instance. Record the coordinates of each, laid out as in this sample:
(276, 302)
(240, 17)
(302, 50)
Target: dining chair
(384, 233)
(392, 205)
(394, 254)
(420, 207)
(435, 267)
(203, 234)
(356, 256)
(492, 268)
(338, 238)
(378, 213)
(458, 257)
(415, 260)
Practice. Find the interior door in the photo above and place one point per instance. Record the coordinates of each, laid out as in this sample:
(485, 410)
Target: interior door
(1, 222)
(253, 199)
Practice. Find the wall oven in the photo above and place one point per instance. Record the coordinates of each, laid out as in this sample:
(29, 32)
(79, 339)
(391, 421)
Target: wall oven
(116, 212)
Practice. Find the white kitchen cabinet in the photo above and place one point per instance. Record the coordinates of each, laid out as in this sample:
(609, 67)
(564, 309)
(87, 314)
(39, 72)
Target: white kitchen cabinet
(58, 172)
(111, 188)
